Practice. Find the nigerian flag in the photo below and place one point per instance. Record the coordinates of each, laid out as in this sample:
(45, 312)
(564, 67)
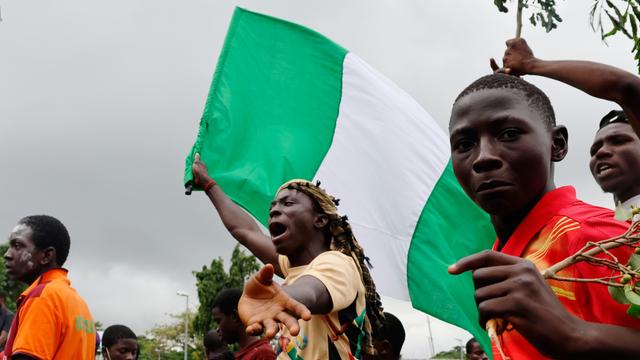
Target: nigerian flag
(286, 102)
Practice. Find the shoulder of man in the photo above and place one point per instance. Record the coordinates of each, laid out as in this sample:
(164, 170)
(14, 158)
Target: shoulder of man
(596, 223)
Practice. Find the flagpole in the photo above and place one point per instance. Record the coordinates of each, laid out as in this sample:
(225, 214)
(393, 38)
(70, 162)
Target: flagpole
(431, 349)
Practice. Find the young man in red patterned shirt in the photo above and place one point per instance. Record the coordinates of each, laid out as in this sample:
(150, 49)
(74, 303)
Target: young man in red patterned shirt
(504, 143)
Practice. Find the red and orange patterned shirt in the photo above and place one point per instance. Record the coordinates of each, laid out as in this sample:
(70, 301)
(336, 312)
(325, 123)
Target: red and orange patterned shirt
(557, 227)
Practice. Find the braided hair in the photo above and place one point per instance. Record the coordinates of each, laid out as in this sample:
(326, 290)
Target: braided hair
(342, 239)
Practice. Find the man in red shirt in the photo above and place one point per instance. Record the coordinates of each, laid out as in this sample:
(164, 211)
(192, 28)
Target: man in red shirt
(231, 329)
(504, 141)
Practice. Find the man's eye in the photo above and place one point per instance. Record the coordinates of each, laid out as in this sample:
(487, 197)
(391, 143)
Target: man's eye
(510, 134)
(288, 203)
(463, 145)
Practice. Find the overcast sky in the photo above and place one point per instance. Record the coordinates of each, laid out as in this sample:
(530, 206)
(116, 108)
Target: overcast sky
(100, 103)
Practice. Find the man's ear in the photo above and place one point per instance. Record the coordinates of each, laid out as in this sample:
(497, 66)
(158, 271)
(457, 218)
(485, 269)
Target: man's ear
(384, 349)
(321, 221)
(560, 143)
(235, 317)
(48, 256)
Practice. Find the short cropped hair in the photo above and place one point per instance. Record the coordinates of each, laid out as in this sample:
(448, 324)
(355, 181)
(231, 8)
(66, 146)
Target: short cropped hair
(393, 331)
(469, 344)
(115, 333)
(535, 97)
(49, 231)
(227, 300)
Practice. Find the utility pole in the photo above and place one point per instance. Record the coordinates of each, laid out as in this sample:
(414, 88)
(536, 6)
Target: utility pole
(186, 322)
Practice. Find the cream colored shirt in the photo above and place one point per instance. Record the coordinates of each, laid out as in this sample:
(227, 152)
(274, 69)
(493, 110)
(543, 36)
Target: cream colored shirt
(339, 274)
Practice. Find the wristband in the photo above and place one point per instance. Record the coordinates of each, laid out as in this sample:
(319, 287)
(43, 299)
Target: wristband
(209, 185)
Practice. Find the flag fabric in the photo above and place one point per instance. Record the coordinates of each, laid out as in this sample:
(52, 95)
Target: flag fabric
(286, 102)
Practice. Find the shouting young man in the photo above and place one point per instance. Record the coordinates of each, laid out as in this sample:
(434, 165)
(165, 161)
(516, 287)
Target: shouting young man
(327, 283)
(504, 143)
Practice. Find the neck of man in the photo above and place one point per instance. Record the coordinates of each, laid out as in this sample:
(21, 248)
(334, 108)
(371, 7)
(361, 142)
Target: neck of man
(506, 225)
(624, 196)
(40, 272)
(315, 247)
(245, 339)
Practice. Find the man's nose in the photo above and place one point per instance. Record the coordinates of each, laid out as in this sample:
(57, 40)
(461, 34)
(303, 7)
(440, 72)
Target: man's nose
(275, 211)
(487, 158)
(603, 152)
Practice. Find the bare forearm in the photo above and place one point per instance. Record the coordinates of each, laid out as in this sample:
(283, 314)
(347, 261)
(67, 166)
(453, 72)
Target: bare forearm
(312, 293)
(602, 341)
(599, 80)
(233, 217)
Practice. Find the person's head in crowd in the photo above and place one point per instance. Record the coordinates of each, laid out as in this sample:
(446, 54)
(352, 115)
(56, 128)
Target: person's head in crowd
(615, 157)
(389, 340)
(119, 343)
(504, 141)
(304, 219)
(37, 244)
(225, 313)
(215, 348)
(474, 350)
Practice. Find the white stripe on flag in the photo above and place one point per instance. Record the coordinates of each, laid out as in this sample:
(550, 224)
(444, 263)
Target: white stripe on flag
(387, 155)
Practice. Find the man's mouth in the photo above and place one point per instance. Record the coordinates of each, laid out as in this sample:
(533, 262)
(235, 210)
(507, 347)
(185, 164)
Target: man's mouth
(602, 169)
(277, 230)
(492, 184)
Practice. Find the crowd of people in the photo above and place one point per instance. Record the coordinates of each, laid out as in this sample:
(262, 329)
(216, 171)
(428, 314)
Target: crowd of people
(505, 142)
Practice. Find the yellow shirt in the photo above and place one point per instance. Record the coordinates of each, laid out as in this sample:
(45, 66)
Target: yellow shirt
(317, 339)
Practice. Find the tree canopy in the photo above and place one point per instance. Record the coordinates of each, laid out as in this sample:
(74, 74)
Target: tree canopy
(213, 279)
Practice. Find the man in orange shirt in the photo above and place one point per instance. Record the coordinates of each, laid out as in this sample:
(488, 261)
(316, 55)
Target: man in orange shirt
(52, 321)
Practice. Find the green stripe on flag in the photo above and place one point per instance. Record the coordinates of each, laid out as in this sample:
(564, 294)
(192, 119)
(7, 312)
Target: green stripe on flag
(438, 242)
(271, 110)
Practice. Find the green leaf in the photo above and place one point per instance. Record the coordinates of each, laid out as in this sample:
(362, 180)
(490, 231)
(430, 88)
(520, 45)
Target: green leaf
(634, 262)
(631, 296)
(634, 311)
(618, 294)
(615, 8)
(500, 5)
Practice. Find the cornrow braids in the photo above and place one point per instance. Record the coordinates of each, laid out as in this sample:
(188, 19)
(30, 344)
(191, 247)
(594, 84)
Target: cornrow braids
(343, 240)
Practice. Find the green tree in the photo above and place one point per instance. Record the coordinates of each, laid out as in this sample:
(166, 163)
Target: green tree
(450, 354)
(8, 287)
(166, 341)
(608, 17)
(211, 280)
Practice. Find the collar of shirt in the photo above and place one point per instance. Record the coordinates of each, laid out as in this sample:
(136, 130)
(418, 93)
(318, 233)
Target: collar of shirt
(49, 276)
(546, 208)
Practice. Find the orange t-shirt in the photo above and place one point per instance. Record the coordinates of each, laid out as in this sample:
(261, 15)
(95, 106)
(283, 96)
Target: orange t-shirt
(53, 322)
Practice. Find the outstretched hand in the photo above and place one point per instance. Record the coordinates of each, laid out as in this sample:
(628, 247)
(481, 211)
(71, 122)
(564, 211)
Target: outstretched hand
(264, 304)
(511, 288)
(200, 173)
(518, 59)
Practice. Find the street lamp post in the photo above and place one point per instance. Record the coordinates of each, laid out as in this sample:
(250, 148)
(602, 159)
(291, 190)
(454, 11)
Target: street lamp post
(186, 321)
